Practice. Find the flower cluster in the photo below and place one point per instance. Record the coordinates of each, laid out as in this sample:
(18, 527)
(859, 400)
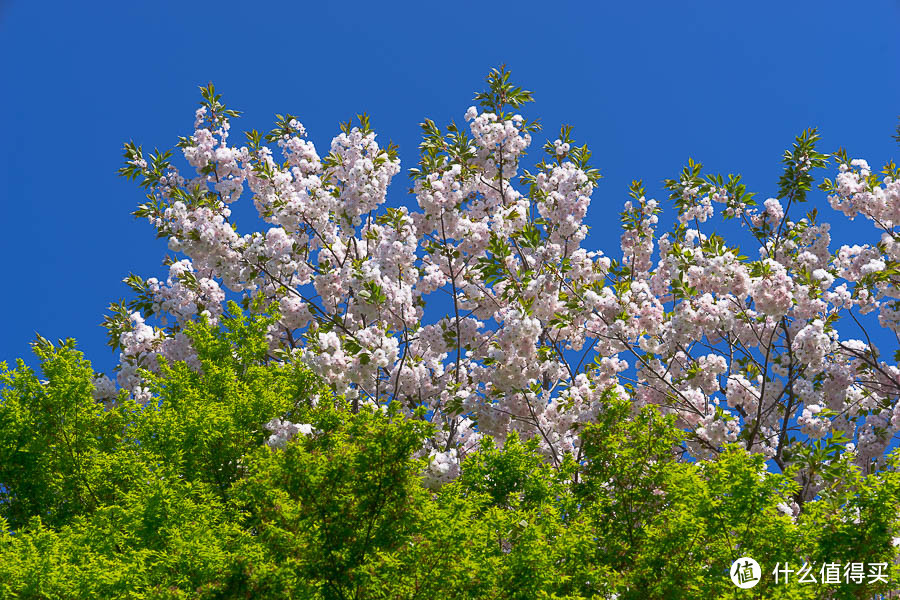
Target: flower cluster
(284, 431)
(530, 330)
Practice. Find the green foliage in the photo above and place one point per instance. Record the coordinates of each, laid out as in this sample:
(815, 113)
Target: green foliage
(329, 503)
(502, 93)
(183, 498)
(105, 501)
(628, 462)
(797, 179)
(58, 446)
(163, 539)
(713, 514)
(516, 475)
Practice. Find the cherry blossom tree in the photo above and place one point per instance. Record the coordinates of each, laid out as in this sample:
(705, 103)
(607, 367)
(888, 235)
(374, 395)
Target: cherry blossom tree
(481, 304)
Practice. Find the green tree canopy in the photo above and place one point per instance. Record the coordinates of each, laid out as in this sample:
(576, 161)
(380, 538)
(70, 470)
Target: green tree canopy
(184, 497)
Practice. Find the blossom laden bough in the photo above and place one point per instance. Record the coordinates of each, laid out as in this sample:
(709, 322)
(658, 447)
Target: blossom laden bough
(530, 329)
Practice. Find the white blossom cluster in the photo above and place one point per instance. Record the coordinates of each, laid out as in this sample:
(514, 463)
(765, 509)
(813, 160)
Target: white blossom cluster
(284, 431)
(531, 330)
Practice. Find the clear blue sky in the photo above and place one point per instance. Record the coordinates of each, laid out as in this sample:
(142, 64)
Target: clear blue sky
(725, 82)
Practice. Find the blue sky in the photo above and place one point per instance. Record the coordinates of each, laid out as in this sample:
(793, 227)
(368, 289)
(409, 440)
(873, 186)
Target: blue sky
(727, 83)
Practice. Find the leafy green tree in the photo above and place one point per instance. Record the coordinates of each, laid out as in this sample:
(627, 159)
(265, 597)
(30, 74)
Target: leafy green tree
(194, 495)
